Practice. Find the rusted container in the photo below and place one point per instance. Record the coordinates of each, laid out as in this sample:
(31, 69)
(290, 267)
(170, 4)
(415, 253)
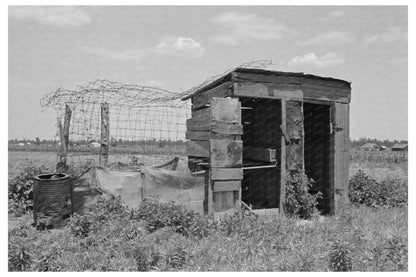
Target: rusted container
(51, 199)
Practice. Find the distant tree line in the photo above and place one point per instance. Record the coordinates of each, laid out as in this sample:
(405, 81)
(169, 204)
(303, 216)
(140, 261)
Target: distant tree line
(361, 141)
(161, 143)
(114, 142)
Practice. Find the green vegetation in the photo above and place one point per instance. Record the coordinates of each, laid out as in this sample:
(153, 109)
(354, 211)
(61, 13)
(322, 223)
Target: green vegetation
(112, 238)
(298, 201)
(363, 189)
(368, 235)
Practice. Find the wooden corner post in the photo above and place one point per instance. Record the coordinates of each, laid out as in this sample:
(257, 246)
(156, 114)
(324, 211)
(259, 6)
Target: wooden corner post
(284, 140)
(105, 134)
(64, 138)
(292, 155)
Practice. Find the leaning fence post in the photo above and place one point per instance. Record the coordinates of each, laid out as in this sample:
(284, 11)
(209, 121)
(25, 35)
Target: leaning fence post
(105, 134)
(64, 138)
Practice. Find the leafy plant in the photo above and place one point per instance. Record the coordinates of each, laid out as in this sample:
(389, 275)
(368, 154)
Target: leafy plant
(21, 186)
(365, 190)
(299, 201)
(158, 215)
(339, 257)
(80, 226)
(19, 257)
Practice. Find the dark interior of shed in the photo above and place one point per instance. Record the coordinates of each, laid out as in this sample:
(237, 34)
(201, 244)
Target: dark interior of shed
(261, 119)
(317, 150)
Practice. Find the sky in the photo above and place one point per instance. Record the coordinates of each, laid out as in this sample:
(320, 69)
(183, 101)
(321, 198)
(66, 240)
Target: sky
(178, 47)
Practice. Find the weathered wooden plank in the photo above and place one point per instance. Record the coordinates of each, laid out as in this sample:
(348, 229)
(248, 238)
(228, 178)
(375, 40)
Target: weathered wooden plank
(272, 91)
(226, 173)
(204, 98)
(227, 186)
(226, 153)
(290, 78)
(259, 154)
(223, 200)
(200, 123)
(204, 112)
(226, 128)
(294, 128)
(283, 175)
(197, 148)
(267, 77)
(341, 153)
(326, 94)
(225, 109)
(206, 135)
(292, 91)
(198, 135)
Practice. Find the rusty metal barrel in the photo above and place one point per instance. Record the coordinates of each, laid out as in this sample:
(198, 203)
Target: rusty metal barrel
(51, 199)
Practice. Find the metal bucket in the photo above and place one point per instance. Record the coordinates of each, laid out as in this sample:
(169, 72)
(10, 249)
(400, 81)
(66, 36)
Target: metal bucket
(51, 199)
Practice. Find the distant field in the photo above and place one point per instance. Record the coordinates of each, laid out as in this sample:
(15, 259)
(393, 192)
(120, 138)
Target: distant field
(47, 158)
(50, 159)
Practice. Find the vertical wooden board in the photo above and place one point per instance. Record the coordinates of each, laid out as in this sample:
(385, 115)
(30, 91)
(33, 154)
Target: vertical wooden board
(224, 200)
(226, 153)
(294, 129)
(226, 109)
(341, 152)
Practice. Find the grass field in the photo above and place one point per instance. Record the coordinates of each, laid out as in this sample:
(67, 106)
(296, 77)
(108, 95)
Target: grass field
(360, 238)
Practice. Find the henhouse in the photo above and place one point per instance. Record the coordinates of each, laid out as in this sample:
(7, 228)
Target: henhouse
(251, 128)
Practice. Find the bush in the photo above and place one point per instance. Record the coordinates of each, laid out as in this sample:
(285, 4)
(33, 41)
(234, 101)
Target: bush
(21, 186)
(158, 215)
(364, 190)
(97, 215)
(298, 201)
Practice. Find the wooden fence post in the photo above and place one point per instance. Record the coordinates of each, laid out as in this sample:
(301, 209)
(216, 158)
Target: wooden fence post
(64, 138)
(105, 134)
(283, 159)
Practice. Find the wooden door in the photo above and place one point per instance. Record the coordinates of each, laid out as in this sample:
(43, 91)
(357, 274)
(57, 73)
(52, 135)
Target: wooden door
(340, 154)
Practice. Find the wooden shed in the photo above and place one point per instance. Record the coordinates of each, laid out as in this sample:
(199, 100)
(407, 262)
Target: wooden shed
(251, 128)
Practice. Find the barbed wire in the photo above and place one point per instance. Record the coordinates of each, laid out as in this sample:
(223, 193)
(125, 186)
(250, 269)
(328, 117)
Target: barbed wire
(258, 64)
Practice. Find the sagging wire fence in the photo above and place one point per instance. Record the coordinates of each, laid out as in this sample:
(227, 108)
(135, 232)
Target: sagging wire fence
(114, 124)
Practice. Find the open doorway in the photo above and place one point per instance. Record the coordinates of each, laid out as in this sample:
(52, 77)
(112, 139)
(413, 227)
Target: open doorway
(317, 150)
(261, 119)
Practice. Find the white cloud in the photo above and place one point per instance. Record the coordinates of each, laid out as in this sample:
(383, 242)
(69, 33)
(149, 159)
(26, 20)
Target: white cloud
(236, 28)
(124, 55)
(329, 59)
(330, 38)
(180, 46)
(53, 15)
(392, 34)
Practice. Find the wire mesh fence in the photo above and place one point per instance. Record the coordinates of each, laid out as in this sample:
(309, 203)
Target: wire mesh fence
(146, 125)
